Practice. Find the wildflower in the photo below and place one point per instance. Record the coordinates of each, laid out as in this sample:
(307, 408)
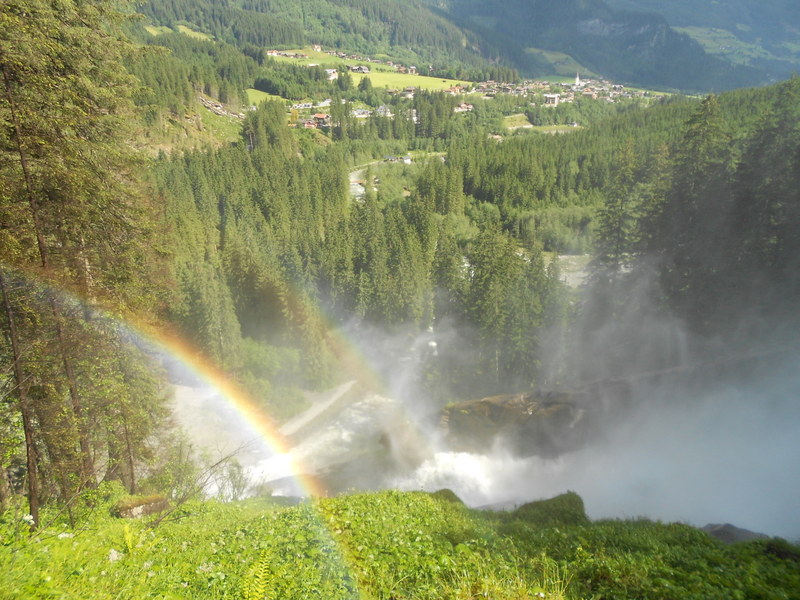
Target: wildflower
(113, 555)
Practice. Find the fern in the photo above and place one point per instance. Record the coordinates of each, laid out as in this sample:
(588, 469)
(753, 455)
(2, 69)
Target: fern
(255, 582)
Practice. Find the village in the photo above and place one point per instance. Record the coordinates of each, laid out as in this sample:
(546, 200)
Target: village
(312, 114)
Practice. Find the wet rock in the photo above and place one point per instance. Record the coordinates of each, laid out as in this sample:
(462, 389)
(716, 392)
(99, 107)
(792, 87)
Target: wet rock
(541, 423)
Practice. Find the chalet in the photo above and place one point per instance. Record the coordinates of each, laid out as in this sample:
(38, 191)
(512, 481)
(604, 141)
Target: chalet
(332, 74)
(412, 70)
(360, 69)
(322, 119)
(384, 111)
(463, 107)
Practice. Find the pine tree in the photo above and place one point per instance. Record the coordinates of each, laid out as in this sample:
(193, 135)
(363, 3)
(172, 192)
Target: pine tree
(66, 180)
(697, 212)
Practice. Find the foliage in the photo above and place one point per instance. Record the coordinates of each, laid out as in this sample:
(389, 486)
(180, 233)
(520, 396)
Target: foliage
(409, 32)
(77, 228)
(386, 545)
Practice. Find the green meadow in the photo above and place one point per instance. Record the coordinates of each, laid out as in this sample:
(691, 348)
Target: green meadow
(256, 97)
(724, 43)
(158, 30)
(516, 121)
(382, 545)
(380, 75)
(399, 81)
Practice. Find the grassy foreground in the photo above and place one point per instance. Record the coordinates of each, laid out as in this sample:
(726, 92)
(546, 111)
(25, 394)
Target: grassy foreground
(387, 545)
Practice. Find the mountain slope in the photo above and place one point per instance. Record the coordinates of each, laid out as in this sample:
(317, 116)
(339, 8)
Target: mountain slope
(759, 33)
(631, 47)
(406, 30)
(627, 46)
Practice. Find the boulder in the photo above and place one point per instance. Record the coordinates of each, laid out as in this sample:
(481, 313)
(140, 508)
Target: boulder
(540, 423)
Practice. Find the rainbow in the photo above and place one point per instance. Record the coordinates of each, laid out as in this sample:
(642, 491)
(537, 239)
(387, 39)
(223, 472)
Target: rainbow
(163, 340)
(245, 406)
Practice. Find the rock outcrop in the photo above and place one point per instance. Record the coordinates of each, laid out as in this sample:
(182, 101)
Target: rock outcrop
(541, 423)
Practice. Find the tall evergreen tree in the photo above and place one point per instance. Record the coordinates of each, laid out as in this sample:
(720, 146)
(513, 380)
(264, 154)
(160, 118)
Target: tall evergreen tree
(65, 178)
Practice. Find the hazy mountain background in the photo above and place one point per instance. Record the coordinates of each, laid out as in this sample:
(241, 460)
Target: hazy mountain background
(624, 43)
(682, 45)
(763, 34)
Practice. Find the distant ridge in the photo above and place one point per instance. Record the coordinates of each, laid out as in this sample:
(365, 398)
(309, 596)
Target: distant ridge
(731, 534)
(632, 47)
(459, 36)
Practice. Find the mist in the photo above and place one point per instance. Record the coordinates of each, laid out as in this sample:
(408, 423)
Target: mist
(729, 455)
(670, 433)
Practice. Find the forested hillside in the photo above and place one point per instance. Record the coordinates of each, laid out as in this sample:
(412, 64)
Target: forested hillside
(461, 38)
(413, 224)
(402, 29)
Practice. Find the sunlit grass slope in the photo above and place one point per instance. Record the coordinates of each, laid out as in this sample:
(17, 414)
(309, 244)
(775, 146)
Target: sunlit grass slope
(385, 545)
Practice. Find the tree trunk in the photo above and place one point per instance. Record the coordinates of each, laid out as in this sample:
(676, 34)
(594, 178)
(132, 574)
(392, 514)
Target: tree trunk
(24, 408)
(5, 489)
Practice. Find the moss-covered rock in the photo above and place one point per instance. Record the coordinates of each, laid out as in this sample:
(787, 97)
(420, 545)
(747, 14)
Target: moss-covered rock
(566, 509)
(447, 495)
(539, 423)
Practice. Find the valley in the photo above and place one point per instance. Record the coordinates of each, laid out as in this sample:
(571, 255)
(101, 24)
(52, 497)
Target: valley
(400, 299)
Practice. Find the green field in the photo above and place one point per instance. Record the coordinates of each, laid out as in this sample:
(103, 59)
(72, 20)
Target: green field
(193, 34)
(256, 97)
(552, 129)
(516, 121)
(400, 81)
(380, 75)
(157, 30)
(314, 57)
